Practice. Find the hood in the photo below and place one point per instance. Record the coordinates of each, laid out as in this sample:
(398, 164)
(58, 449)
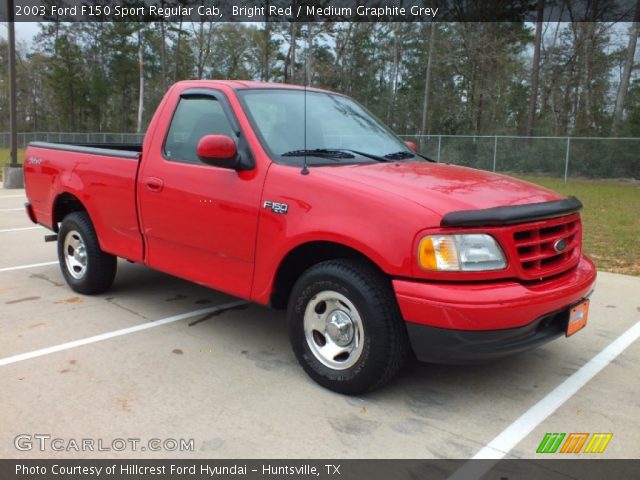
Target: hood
(445, 188)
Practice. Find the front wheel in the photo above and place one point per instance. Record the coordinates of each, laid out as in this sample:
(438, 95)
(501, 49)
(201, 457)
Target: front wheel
(345, 326)
(85, 267)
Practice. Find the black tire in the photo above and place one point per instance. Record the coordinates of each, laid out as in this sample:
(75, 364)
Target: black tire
(99, 269)
(383, 346)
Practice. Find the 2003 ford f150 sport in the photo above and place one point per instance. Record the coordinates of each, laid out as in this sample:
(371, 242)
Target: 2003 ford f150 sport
(301, 199)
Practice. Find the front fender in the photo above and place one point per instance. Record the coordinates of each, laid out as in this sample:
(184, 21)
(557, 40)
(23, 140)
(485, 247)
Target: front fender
(322, 209)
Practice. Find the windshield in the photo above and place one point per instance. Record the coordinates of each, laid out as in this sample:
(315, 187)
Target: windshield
(338, 129)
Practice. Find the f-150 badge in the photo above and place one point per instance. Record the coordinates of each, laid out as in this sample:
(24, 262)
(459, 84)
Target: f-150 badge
(276, 207)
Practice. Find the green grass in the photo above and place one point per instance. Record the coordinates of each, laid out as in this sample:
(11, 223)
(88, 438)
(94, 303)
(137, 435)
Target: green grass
(4, 156)
(610, 218)
(5, 160)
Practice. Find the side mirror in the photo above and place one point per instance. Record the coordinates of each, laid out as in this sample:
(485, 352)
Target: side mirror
(412, 146)
(218, 150)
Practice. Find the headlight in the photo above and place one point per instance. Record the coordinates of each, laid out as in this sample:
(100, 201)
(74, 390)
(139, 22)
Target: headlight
(452, 253)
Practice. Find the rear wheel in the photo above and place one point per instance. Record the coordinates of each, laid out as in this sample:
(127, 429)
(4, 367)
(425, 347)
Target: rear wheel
(345, 326)
(85, 267)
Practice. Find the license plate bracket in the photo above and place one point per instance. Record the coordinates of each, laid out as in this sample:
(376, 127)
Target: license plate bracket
(577, 317)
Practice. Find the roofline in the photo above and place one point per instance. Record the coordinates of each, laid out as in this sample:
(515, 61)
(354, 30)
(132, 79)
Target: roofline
(249, 84)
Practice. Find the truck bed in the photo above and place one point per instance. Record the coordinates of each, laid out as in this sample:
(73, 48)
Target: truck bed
(101, 176)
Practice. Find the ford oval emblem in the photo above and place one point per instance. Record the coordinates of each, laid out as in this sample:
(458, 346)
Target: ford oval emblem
(560, 245)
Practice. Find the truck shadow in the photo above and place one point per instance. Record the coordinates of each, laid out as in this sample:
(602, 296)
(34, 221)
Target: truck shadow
(426, 391)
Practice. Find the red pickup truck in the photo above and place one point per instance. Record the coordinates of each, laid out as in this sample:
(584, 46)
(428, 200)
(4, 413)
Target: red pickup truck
(300, 199)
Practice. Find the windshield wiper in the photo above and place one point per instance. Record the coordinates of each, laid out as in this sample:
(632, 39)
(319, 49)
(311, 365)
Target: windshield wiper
(428, 159)
(334, 153)
(368, 155)
(401, 155)
(319, 152)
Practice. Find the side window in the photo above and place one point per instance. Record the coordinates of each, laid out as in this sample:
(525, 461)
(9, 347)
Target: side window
(193, 119)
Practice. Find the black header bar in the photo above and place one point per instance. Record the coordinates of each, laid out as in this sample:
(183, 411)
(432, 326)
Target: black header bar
(318, 10)
(333, 469)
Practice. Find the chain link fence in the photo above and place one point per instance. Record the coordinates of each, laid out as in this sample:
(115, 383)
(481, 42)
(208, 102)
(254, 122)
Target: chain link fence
(67, 137)
(562, 157)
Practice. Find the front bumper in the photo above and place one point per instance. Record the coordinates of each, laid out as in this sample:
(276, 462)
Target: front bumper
(465, 322)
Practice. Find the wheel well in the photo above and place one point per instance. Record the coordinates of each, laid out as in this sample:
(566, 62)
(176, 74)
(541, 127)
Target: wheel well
(64, 205)
(304, 257)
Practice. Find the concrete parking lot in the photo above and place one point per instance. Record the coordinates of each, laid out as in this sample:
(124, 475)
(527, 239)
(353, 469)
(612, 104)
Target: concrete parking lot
(229, 381)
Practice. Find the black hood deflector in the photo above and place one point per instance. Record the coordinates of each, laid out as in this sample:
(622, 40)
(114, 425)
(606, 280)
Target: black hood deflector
(511, 214)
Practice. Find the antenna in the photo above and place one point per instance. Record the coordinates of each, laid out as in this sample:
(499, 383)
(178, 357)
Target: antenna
(305, 170)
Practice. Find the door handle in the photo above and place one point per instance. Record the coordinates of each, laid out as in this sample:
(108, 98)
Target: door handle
(153, 184)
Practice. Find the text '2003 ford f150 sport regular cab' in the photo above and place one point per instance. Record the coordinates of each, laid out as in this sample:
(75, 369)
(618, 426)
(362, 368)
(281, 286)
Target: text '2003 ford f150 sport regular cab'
(300, 199)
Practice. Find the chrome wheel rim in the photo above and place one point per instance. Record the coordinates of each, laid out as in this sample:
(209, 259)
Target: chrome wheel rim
(75, 254)
(333, 330)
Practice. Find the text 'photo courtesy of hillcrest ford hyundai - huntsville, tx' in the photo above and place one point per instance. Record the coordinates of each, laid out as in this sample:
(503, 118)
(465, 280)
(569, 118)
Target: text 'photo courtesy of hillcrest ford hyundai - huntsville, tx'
(300, 199)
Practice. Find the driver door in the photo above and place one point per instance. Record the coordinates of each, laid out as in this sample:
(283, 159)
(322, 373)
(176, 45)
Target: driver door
(199, 221)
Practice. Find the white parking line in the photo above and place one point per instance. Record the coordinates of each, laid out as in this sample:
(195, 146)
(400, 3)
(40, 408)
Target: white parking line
(6, 230)
(116, 333)
(22, 267)
(500, 446)
(11, 209)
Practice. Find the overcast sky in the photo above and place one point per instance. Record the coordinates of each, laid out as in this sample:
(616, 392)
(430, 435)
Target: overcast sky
(25, 31)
